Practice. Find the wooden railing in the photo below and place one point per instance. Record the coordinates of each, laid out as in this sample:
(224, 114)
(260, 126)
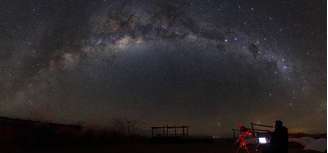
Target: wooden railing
(170, 131)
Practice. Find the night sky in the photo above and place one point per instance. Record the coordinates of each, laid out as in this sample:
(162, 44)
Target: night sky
(210, 64)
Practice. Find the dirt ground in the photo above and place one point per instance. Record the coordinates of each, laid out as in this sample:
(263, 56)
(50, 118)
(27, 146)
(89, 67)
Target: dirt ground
(136, 148)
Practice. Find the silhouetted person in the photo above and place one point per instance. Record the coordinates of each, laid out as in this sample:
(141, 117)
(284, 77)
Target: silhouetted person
(279, 138)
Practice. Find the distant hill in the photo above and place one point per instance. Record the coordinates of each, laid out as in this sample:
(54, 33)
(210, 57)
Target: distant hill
(299, 135)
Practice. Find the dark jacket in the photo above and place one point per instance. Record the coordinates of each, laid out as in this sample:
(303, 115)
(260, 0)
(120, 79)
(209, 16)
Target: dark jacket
(279, 140)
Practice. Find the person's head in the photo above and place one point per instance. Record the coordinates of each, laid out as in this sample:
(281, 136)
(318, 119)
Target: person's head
(278, 124)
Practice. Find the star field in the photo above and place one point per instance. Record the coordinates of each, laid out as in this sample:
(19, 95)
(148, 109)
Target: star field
(209, 64)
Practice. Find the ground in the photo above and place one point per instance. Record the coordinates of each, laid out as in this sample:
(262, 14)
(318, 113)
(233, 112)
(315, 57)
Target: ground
(137, 148)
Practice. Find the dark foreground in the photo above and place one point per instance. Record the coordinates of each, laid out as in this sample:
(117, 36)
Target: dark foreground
(216, 147)
(27, 136)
